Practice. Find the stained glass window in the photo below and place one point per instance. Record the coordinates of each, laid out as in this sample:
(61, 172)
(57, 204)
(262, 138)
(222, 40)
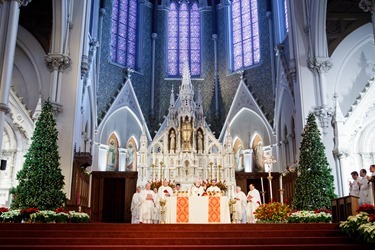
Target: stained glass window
(183, 38)
(123, 32)
(245, 27)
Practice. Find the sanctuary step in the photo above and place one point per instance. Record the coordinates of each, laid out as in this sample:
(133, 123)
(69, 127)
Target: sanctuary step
(174, 236)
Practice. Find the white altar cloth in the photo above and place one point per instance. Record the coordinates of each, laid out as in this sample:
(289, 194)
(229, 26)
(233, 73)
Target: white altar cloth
(197, 210)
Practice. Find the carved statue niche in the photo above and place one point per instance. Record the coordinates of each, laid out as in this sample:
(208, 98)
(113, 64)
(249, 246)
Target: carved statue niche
(200, 140)
(186, 129)
(172, 140)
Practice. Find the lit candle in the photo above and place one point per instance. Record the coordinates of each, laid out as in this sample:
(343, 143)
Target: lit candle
(270, 180)
(261, 181)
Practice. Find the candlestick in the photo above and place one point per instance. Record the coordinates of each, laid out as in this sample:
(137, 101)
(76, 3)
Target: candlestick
(281, 189)
(270, 182)
(261, 181)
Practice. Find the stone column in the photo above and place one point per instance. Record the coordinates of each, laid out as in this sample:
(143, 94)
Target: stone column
(102, 161)
(122, 159)
(319, 67)
(248, 160)
(9, 16)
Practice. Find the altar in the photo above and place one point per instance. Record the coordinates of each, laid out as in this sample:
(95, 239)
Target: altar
(201, 209)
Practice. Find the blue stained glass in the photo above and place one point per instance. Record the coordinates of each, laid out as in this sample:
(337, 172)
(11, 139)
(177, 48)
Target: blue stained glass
(123, 32)
(245, 33)
(123, 17)
(246, 5)
(246, 19)
(123, 5)
(256, 56)
(183, 38)
(237, 23)
(255, 29)
(115, 4)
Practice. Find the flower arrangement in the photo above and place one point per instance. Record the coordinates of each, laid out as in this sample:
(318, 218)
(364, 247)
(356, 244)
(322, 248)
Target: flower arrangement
(274, 212)
(362, 225)
(11, 216)
(27, 212)
(310, 217)
(79, 217)
(60, 215)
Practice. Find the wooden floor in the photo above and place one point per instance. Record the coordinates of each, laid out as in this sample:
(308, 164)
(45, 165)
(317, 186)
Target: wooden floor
(174, 236)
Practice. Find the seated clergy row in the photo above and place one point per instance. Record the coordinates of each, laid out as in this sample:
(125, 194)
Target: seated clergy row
(145, 206)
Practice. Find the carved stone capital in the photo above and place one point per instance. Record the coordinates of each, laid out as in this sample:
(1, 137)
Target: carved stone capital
(58, 62)
(84, 66)
(292, 69)
(324, 114)
(23, 2)
(341, 153)
(367, 5)
(56, 107)
(4, 108)
(319, 66)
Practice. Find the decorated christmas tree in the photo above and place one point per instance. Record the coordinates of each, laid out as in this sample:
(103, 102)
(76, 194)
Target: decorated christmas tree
(314, 185)
(40, 179)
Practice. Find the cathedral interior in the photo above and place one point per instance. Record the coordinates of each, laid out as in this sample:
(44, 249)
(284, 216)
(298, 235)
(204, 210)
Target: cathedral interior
(188, 89)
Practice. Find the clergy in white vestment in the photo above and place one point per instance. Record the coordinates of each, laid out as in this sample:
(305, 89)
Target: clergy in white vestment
(147, 207)
(156, 213)
(240, 206)
(213, 187)
(135, 205)
(165, 190)
(253, 202)
(365, 196)
(353, 186)
(371, 179)
(196, 189)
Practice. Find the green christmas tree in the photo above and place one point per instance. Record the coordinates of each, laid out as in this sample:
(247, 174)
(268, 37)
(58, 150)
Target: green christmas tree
(40, 179)
(314, 185)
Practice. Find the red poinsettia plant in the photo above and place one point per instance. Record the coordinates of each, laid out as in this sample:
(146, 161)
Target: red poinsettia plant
(3, 209)
(367, 208)
(26, 212)
(61, 210)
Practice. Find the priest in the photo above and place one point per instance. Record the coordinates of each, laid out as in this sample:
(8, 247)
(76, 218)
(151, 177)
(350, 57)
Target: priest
(196, 189)
(240, 206)
(213, 187)
(253, 202)
(165, 190)
(147, 205)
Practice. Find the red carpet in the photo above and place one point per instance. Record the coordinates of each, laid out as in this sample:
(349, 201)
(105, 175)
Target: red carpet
(173, 236)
